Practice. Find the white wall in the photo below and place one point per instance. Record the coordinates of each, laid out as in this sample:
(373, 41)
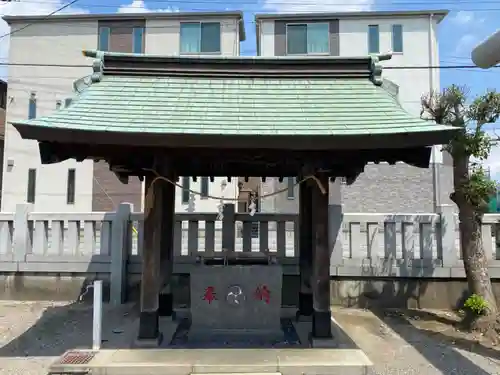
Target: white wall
(163, 36)
(207, 204)
(44, 44)
(353, 37)
(61, 43)
(266, 38)
(420, 48)
(412, 82)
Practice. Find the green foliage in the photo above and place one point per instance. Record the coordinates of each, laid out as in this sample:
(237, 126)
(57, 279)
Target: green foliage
(451, 107)
(476, 304)
(479, 188)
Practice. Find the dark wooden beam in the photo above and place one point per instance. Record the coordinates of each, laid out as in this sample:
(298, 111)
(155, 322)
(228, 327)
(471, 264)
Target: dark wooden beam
(321, 261)
(167, 189)
(255, 162)
(151, 263)
(285, 142)
(305, 248)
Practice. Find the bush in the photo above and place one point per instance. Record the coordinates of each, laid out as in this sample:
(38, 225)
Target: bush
(476, 304)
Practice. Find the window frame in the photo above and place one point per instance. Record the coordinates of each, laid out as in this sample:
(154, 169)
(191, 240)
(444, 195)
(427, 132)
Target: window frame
(134, 38)
(32, 106)
(200, 34)
(186, 186)
(290, 194)
(31, 190)
(71, 186)
(378, 39)
(204, 187)
(393, 35)
(308, 54)
(99, 44)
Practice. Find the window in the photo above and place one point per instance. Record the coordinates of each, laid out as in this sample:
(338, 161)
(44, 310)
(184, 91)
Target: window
(204, 187)
(32, 106)
(138, 38)
(373, 39)
(104, 38)
(291, 188)
(185, 190)
(199, 37)
(67, 102)
(30, 198)
(397, 38)
(70, 188)
(308, 39)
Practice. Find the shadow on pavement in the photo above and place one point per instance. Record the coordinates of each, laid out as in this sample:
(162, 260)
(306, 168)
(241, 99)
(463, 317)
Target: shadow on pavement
(62, 328)
(468, 344)
(436, 348)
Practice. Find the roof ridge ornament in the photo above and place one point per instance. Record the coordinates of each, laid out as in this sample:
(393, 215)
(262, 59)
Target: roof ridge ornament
(376, 67)
(98, 67)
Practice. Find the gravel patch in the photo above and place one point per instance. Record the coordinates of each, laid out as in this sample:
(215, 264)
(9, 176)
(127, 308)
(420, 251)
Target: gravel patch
(34, 334)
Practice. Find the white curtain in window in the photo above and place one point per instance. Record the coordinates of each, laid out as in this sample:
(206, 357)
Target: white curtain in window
(190, 38)
(318, 38)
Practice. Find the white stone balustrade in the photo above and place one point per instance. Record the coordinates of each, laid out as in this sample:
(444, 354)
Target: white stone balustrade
(374, 245)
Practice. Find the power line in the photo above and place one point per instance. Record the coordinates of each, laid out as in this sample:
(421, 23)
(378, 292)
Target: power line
(223, 3)
(276, 2)
(47, 16)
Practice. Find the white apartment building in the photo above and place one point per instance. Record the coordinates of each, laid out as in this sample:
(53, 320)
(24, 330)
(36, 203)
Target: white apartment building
(46, 59)
(411, 36)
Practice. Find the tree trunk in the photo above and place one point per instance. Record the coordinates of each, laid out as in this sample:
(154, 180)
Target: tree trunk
(474, 258)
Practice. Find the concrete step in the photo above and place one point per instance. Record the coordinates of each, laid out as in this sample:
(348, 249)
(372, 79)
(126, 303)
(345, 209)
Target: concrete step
(219, 362)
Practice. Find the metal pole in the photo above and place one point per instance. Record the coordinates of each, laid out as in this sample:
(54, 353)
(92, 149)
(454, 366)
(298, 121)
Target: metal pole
(97, 318)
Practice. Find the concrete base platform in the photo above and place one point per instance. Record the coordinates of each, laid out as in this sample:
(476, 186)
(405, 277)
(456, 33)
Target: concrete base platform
(220, 361)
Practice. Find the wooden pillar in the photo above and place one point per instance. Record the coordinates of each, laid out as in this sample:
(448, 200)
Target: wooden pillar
(167, 243)
(151, 262)
(305, 248)
(321, 326)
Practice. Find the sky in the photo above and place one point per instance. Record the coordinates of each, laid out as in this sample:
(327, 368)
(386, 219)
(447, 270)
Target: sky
(469, 22)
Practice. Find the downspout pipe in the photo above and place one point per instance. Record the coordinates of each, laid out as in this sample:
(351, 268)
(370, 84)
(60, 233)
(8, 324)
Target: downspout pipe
(436, 182)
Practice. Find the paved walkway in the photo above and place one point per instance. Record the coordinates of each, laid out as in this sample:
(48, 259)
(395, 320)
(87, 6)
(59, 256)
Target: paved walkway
(32, 335)
(396, 346)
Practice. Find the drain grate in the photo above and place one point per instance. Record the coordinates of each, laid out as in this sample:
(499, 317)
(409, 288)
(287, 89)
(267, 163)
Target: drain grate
(76, 357)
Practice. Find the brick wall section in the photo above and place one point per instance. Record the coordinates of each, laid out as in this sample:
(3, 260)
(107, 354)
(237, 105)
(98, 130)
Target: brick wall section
(397, 188)
(108, 192)
(121, 34)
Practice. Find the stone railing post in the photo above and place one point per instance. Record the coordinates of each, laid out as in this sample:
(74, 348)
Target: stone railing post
(228, 227)
(447, 235)
(22, 237)
(335, 221)
(120, 249)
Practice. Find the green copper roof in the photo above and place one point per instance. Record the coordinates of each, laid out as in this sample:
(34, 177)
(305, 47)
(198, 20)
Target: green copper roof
(334, 97)
(235, 106)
